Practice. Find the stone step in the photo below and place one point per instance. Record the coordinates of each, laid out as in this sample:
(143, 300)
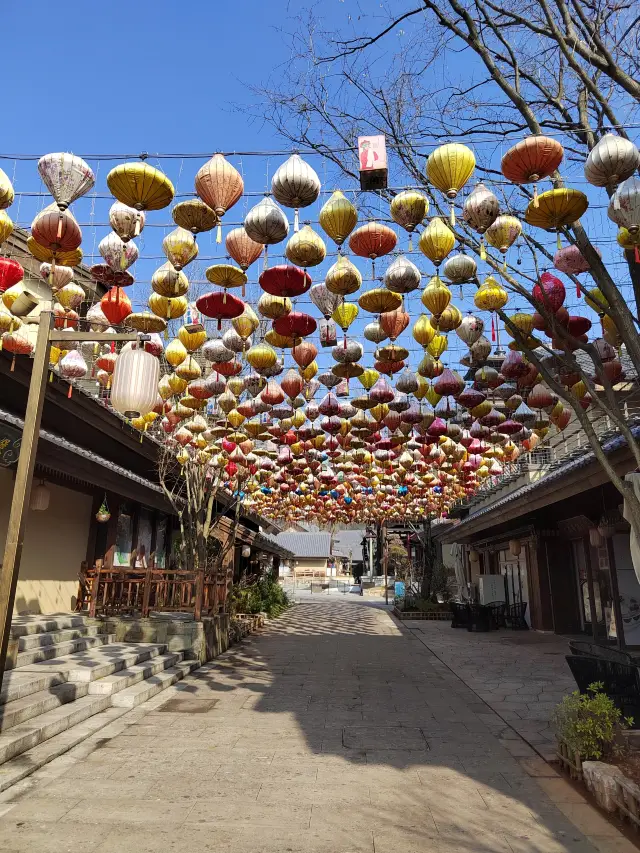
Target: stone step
(27, 735)
(16, 684)
(111, 684)
(132, 696)
(21, 626)
(58, 650)
(36, 757)
(20, 710)
(38, 641)
(97, 663)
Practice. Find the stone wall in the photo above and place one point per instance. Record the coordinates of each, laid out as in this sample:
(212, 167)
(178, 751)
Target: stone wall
(200, 641)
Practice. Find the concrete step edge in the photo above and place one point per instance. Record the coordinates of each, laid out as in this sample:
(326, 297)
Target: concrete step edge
(50, 623)
(43, 641)
(133, 674)
(58, 650)
(35, 704)
(99, 666)
(139, 693)
(28, 762)
(17, 684)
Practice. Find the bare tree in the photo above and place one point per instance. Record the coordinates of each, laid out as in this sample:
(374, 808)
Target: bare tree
(479, 71)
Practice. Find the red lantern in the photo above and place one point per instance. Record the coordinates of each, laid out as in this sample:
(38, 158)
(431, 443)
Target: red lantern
(220, 305)
(549, 292)
(285, 280)
(116, 306)
(11, 272)
(228, 368)
(372, 240)
(394, 322)
(532, 159)
(114, 278)
(295, 325)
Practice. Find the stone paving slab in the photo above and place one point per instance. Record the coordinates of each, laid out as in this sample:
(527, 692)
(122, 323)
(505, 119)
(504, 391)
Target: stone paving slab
(333, 731)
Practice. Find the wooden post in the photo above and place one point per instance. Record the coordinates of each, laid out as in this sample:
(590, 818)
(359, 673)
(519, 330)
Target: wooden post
(385, 560)
(22, 487)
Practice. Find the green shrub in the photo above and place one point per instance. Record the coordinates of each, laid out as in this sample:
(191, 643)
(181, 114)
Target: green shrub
(589, 723)
(264, 596)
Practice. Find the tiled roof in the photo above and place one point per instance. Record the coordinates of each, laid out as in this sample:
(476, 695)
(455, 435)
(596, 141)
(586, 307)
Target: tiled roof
(348, 540)
(314, 545)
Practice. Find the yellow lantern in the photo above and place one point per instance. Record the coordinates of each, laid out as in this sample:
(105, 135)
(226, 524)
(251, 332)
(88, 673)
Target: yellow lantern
(379, 412)
(6, 225)
(437, 241)
(141, 186)
(194, 215)
(281, 341)
(503, 233)
(409, 209)
(610, 332)
(176, 352)
(167, 281)
(625, 238)
(306, 248)
(180, 247)
(308, 372)
(189, 369)
(343, 277)
(345, 314)
(65, 259)
(449, 320)
(436, 296)
(7, 194)
(379, 300)
(523, 323)
(274, 307)
(556, 208)
(235, 418)
(368, 378)
(338, 217)
(490, 296)
(423, 331)
(449, 168)
(261, 357)
(169, 308)
(246, 323)
(192, 336)
(437, 346)
(177, 383)
(596, 301)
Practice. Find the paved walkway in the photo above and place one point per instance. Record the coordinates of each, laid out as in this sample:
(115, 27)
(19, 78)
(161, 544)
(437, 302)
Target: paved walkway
(336, 730)
(522, 675)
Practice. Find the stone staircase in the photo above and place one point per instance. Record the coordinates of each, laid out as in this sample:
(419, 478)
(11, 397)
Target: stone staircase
(70, 679)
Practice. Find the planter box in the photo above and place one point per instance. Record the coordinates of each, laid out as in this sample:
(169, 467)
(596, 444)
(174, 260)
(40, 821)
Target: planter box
(431, 615)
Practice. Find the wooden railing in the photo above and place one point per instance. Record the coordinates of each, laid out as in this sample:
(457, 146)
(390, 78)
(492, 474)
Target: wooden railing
(139, 591)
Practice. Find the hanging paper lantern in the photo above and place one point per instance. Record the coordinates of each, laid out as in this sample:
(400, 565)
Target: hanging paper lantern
(449, 168)
(71, 295)
(343, 278)
(549, 292)
(127, 222)
(409, 208)
(372, 240)
(436, 241)
(304, 354)
(226, 275)
(284, 280)
(7, 194)
(44, 253)
(436, 296)
(194, 216)
(379, 299)
(220, 186)
(556, 209)
(374, 332)
(266, 223)
(56, 276)
(611, 161)
(402, 276)
(324, 300)
(306, 248)
(273, 307)
(480, 211)
(242, 248)
(460, 269)
(117, 254)
(246, 323)
(423, 331)
(17, 342)
(348, 352)
(570, 260)
(503, 233)
(345, 314)
(180, 247)
(56, 230)
(141, 186)
(66, 176)
(134, 388)
(295, 184)
(192, 337)
(394, 322)
(338, 217)
(532, 159)
(116, 305)
(490, 296)
(11, 272)
(220, 305)
(6, 226)
(167, 307)
(261, 357)
(470, 329)
(295, 325)
(624, 207)
(167, 281)
(73, 365)
(449, 320)
(96, 318)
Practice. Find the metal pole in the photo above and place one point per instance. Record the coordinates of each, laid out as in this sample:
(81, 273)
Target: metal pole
(385, 556)
(22, 487)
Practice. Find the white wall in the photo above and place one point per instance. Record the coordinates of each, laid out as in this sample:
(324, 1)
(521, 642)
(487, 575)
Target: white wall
(55, 544)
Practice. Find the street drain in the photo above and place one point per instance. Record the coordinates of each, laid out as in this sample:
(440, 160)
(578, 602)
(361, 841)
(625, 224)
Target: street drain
(188, 705)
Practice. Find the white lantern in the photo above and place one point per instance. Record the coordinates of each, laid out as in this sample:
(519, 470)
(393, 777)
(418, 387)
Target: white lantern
(40, 497)
(515, 547)
(134, 390)
(246, 551)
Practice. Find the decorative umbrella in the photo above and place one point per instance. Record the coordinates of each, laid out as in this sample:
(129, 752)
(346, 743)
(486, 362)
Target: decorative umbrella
(220, 305)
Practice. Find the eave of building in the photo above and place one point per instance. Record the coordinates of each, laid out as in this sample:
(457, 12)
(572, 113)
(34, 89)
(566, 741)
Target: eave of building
(572, 478)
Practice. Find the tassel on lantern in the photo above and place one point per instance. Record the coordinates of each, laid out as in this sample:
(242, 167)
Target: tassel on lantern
(13, 364)
(265, 264)
(536, 203)
(483, 251)
(410, 242)
(616, 201)
(69, 392)
(493, 329)
(219, 233)
(452, 217)
(577, 290)
(559, 242)
(296, 220)
(637, 255)
(504, 265)
(60, 220)
(51, 376)
(373, 269)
